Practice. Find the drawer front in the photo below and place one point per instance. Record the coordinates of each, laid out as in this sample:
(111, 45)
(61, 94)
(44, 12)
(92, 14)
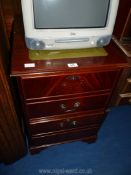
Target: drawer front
(47, 140)
(45, 108)
(38, 87)
(42, 126)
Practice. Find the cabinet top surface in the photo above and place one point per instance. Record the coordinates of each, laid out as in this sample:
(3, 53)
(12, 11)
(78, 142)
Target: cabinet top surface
(20, 59)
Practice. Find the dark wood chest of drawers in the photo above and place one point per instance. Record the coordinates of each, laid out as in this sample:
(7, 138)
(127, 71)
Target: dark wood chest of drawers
(63, 104)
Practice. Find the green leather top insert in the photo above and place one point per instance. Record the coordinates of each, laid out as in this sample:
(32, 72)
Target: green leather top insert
(61, 54)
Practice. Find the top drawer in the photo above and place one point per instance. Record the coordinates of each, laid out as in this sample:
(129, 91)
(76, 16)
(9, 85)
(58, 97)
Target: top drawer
(40, 86)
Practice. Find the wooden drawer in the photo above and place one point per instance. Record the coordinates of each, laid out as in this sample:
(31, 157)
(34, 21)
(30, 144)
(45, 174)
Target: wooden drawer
(52, 139)
(41, 126)
(37, 87)
(59, 107)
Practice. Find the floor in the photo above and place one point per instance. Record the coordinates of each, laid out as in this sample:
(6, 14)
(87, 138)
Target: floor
(109, 155)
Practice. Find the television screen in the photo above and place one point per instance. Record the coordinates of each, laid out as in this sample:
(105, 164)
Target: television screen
(61, 14)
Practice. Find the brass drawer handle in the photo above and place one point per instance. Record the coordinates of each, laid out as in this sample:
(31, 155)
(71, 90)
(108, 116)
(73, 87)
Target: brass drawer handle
(77, 104)
(74, 123)
(70, 124)
(63, 106)
(70, 109)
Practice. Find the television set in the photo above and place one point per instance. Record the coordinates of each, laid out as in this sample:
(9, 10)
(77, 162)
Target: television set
(68, 24)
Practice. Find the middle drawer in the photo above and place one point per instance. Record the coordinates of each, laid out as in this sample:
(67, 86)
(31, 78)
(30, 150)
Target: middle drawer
(67, 122)
(64, 106)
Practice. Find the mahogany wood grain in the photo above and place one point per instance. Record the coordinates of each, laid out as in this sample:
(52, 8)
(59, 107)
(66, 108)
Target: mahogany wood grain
(63, 137)
(55, 124)
(67, 84)
(63, 106)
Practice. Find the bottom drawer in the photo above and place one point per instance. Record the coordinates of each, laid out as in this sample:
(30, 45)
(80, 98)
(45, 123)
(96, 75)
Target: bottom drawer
(48, 140)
